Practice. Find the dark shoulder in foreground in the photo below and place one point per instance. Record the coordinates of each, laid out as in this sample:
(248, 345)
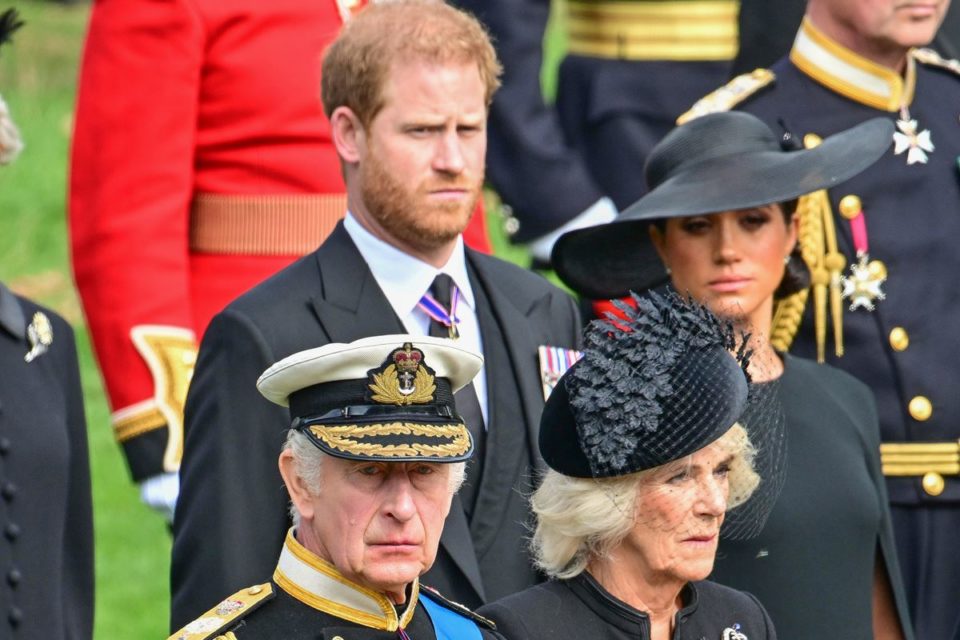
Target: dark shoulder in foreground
(835, 382)
(456, 607)
(737, 614)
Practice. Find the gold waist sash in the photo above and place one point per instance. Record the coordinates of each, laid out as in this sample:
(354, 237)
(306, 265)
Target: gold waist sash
(674, 30)
(280, 225)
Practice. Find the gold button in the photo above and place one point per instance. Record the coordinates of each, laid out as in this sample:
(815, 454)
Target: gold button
(920, 408)
(899, 339)
(877, 270)
(254, 590)
(812, 140)
(850, 207)
(933, 483)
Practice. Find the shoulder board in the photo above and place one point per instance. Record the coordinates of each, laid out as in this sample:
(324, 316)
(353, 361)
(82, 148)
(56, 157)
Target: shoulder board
(730, 95)
(456, 607)
(934, 59)
(237, 606)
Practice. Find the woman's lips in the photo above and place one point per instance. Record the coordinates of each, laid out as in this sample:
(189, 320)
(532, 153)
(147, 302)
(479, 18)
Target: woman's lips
(729, 284)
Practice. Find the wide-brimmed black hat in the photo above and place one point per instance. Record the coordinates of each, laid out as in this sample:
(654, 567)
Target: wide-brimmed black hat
(719, 162)
(387, 398)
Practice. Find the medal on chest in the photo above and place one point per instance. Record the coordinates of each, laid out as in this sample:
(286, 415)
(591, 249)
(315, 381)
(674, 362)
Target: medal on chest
(862, 287)
(907, 138)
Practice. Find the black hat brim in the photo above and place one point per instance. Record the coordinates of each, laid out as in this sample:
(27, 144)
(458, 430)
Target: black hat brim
(607, 261)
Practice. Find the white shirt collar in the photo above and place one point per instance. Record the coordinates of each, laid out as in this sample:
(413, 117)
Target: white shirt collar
(403, 278)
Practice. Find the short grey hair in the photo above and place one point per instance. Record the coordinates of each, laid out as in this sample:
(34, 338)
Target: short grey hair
(579, 519)
(308, 463)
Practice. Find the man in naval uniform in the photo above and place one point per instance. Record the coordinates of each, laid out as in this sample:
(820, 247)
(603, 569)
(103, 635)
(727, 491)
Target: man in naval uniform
(372, 460)
(883, 257)
(406, 87)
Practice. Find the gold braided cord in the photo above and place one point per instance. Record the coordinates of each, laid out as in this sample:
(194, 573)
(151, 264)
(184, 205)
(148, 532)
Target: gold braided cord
(347, 438)
(787, 315)
(818, 246)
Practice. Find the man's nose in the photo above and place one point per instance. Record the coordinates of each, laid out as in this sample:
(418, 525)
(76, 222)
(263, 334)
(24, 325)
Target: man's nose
(448, 155)
(399, 502)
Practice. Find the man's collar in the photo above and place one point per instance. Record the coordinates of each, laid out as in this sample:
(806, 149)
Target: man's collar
(317, 583)
(11, 314)
(849, 74)
(403, 278)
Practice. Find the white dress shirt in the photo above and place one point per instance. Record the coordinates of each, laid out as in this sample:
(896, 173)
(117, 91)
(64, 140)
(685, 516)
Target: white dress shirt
(404, 279)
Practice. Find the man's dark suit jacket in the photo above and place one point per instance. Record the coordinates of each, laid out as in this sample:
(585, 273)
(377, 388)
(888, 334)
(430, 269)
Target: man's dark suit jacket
(232, 512)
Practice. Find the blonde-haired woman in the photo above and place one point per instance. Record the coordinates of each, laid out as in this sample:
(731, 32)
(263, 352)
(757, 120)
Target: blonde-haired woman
(647, 452)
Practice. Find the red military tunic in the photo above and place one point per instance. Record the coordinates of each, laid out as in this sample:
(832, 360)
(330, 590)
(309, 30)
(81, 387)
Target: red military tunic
(202, 163)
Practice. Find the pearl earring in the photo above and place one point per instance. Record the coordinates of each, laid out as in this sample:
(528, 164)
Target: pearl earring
(786, 260)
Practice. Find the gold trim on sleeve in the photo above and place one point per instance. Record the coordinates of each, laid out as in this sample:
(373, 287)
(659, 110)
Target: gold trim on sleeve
(170, 354)
(136, 420)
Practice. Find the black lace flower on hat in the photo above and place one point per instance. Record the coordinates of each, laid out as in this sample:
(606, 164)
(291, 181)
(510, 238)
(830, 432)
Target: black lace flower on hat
(655, 384)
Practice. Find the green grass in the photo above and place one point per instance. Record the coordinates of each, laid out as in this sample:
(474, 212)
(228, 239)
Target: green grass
(38, 80)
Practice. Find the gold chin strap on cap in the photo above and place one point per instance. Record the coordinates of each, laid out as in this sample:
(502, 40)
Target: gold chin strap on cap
(818, 246)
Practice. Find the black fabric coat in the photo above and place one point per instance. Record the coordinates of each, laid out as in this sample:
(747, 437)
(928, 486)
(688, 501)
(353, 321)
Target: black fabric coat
(581, 608)
(232, 513)
(831, 523)
(46, 515)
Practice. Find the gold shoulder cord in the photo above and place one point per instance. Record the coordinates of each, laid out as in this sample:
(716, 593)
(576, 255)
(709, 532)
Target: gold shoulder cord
(818, 246)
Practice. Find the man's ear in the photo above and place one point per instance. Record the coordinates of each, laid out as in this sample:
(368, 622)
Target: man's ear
(349, 136)
(298, 490)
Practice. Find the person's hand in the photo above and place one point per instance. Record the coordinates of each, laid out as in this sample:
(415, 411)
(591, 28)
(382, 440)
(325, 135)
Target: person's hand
(600, 212)
(160, 493)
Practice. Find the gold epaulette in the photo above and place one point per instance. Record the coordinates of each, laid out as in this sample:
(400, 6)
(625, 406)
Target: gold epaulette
(240, 604)
(818, 246)
(730, 95)
(934, 59)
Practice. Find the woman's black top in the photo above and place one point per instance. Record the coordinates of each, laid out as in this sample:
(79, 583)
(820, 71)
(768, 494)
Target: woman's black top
(581, 608)
(812, 565)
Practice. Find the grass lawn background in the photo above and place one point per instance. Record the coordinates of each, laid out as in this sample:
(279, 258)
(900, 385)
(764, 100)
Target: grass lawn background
(38, 80)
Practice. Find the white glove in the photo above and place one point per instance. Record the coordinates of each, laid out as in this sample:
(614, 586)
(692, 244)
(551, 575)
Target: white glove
(160, 493)
(600, 212)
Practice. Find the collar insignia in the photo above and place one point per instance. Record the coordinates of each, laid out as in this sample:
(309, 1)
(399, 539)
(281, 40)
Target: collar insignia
(404, 379)
(40, 335)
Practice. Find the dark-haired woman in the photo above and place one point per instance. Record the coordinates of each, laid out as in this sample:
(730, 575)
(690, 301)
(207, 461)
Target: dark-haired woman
(719, 223)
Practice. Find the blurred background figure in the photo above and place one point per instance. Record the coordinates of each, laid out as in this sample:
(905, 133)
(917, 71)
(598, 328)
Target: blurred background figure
(46, 550)
(767, 30)
(631, 68)
(719, 224)
(882, 252)
(201, 164)
(647, 451)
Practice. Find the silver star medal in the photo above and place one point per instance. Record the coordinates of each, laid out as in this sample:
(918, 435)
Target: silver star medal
(862, 286)
(917, 145)
(40, 335)
(733, 633)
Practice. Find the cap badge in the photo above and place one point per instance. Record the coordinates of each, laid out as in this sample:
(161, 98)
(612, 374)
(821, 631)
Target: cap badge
(40, 334)
(404, 379)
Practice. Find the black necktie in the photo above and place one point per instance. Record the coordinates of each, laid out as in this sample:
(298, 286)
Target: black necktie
(468, 406)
